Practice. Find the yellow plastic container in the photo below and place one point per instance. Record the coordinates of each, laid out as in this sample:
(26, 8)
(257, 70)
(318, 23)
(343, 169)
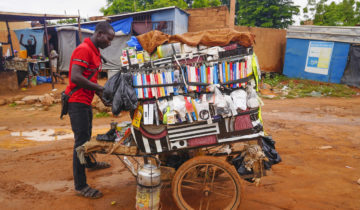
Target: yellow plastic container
(23, 54)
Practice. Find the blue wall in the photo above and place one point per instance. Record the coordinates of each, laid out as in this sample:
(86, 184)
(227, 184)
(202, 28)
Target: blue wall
(179, 18)
(296, 55)
(181, 22)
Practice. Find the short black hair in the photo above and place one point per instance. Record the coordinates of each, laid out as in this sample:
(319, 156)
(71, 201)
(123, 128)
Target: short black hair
(103, 27)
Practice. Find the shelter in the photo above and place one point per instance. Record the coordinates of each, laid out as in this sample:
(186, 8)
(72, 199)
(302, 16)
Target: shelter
(319, 52)
(18, 17)
(170, 20)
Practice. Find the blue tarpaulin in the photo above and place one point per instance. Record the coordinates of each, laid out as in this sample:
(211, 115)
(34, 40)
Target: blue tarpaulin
(315, 60)
(123, 25)
(39, 36)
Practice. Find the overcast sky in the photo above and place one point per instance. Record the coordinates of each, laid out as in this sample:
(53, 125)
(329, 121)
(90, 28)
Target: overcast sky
(87, 8)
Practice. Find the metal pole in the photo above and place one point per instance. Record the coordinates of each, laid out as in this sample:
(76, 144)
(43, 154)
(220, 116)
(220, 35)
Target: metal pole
(232, 14)
(48, 50)
(9, 38)
(80, 36)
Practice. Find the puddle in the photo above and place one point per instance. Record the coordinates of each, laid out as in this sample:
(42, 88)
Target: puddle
(43, 135)
(21, 139)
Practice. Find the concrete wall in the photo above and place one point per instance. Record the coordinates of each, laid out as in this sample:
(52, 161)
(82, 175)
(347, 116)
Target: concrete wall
(270, 43)
(8, 81)
(269, 47)
(208, 18)
(13, 26)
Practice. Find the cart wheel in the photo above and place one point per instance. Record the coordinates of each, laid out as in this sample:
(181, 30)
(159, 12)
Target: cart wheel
(206, 182)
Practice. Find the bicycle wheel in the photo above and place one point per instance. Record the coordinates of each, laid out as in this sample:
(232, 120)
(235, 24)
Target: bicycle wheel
(207, 182)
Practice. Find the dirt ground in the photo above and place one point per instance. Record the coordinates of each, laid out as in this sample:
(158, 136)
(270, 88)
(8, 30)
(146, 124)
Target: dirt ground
(317, 138)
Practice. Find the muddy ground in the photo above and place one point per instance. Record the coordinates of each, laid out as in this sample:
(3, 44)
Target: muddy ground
(317, 138)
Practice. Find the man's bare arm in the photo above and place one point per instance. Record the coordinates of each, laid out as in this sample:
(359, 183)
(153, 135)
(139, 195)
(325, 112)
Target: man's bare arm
(81, 81)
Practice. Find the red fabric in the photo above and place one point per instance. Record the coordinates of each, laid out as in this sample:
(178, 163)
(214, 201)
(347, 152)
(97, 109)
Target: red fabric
(200, 141)
(87, 56)
(153, 136)
(243, 122)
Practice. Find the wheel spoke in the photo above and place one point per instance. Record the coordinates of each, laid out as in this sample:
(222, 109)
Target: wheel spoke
(213, 177)
(192, 182)
(208, 202)
(192, 188)
(225, 195)
(206, 172)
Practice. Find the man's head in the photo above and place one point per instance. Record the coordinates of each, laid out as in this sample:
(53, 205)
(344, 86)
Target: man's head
(29, 41)
(104, 34)
(51, 47)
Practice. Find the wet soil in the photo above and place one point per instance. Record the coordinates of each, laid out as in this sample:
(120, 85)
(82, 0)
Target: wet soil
(317, 138)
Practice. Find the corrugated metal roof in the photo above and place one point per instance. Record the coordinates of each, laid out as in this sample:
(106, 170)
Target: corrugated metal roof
(346, 34)
(118, 16)
(19, 17)
(146, 11)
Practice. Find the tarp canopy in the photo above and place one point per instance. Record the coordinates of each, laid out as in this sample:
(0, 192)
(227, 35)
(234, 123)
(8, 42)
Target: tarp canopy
(345, 34)
(220, 37)
(68, 40)
(123, 25)
(352, 71)
(18, 17)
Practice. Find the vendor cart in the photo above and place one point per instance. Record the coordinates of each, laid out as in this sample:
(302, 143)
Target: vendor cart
(194, 134)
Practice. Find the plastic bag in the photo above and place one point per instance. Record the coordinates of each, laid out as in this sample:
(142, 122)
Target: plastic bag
(179, 105)
(110, 88)
(239, 98)
(133, 42)
(252, 97)
(202, 108)
(230, 104)
(43, 79)
(268, 147)
(220, 104)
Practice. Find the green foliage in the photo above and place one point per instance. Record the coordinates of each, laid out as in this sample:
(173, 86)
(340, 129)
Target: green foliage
(266, 13)
(295, 88)
(205, 3)
(67, 21)
(102, 114)
(167, 3)
(114, 7)
(344, 13)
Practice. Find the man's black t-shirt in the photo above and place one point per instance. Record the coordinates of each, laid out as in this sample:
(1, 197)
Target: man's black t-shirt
(31, 49)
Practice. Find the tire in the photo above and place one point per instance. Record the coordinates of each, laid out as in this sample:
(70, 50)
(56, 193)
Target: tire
(197, 184)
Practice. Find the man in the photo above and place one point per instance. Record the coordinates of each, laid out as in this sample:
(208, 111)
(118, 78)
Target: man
(31, 50)
(85, 64)
(30, 47)
(53, 63)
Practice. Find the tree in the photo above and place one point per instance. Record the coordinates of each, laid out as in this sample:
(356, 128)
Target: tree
(345, 13)
(205, 3)
(114, 7)
(266, 13)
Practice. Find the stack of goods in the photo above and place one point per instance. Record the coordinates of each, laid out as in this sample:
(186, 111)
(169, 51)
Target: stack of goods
(195, 96)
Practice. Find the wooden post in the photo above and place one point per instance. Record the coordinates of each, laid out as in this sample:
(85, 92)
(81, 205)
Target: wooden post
(80, 36)
(9, 38)
(232, 14)
(48, 50)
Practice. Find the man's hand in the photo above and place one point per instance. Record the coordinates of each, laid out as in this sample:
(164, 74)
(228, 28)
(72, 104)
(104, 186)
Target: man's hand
(100, 93)
(32, 36)
(22, 35)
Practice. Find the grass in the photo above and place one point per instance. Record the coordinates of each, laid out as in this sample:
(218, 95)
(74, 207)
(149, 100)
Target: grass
(13, 104)
(295, 88)
(102, 114)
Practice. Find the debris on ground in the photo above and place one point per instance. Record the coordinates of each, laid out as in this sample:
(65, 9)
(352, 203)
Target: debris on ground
(279, 85)
(325, 147)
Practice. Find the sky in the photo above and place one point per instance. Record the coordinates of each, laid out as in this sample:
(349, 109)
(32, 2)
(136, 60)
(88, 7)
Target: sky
(87, 8)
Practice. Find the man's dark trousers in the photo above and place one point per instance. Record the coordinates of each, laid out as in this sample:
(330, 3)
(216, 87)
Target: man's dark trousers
(81, 124)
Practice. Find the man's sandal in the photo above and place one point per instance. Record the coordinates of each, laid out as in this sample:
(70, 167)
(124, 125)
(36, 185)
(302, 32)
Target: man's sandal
(89, 192)
(100, 165)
